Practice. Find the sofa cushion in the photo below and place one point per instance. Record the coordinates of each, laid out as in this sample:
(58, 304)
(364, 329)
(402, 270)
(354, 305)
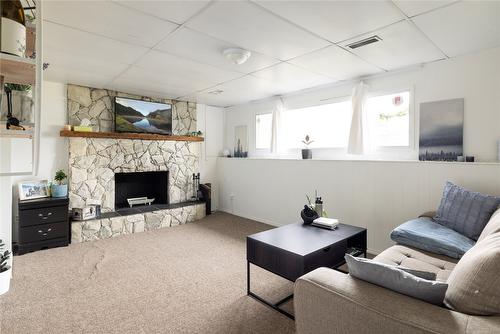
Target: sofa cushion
(395, 279)
(426, 234)
(465, 211)
(493, 226)
(474, 284)
(407, 257)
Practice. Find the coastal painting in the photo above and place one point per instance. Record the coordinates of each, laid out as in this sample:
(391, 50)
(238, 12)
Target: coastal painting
(240, 142)
(441, 130)
(142, 116)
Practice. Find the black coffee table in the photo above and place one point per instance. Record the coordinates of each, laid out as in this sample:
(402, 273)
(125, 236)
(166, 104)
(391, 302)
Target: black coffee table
(293, 250)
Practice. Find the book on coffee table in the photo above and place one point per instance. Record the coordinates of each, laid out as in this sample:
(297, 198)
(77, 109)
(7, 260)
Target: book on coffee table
(329, 223)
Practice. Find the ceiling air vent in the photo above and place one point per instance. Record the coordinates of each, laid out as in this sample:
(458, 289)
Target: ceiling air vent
(363, 42)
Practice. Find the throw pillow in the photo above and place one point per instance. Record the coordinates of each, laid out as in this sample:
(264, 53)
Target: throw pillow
(465, 211)
(427, 235)
(474, 283)
(396, 279)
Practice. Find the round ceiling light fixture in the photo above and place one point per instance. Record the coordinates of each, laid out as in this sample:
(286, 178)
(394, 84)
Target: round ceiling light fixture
(236, 55)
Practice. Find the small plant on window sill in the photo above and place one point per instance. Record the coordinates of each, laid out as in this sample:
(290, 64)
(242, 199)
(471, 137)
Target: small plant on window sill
(306, 152)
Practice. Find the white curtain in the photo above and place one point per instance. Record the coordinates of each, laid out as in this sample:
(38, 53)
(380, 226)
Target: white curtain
(356, 136)
(276, 126)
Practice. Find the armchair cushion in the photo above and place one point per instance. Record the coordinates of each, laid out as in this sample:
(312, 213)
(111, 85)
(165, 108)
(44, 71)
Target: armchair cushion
(474, 283)
(425, 234)
(493, 226)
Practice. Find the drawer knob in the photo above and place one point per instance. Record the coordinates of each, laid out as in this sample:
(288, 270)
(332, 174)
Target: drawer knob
(40, 215)
(49, 214)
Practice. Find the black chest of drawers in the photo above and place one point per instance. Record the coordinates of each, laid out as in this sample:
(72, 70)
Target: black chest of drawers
(43, 223)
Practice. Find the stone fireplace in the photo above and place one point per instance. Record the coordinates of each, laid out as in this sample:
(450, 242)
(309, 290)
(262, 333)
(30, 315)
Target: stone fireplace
(94, 161)
(106, 171)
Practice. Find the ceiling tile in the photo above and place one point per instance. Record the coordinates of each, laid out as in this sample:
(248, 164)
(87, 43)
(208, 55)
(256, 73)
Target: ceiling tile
(416, 7)
(154, 79)
(75, 64)
(401, 45)
(463, 27)
(289, 78)
(109, 19)
(335, 62)
(76, 42)
(336, 20)
(248, 25)
(146, 87)
(190, 44)
(239, 91)
(176, 11)
(62, 74)
(174, 66)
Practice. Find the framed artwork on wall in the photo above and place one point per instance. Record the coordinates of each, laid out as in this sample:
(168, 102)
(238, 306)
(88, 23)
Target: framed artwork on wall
(33, 189)
(441, 130)
(240, 141)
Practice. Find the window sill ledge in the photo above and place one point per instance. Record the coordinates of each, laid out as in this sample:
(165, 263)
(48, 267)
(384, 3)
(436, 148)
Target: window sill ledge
(492, 163)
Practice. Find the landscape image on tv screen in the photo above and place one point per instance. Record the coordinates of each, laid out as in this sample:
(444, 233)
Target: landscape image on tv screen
(142, 116)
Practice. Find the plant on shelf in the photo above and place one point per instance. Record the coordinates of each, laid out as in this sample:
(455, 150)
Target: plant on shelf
(306, 152)
(4, 268)
(60, 188)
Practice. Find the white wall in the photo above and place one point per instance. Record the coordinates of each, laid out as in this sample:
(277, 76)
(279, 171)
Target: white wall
(474, 77)
(210, 120)
(53, 153)
(377, 195)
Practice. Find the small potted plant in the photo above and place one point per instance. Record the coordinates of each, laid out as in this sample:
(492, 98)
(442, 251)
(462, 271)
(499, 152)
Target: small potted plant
(306, 152)
(5, 270)
(59, 188)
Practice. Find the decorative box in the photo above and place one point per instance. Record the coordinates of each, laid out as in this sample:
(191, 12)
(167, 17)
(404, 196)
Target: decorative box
(86, 213)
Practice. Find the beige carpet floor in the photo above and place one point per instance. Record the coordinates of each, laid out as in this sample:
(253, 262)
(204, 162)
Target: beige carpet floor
(185, 279)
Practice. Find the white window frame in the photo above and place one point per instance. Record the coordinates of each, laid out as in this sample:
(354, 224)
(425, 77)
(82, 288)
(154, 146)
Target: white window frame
(381, 151)
(261, 150)
(333, 100)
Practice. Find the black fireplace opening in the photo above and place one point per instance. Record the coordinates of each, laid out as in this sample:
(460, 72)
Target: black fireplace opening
(141, 184)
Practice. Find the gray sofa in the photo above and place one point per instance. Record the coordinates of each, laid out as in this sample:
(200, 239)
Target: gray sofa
(328, 301)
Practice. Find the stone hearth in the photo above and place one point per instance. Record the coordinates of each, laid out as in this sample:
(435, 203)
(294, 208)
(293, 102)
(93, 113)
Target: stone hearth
(112, 227)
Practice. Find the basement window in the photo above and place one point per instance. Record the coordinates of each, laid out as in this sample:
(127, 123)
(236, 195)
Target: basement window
(328, 125)
(263, 129)
(388, 119)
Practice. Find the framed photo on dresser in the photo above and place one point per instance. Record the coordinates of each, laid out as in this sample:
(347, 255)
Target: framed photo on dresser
(33, 189)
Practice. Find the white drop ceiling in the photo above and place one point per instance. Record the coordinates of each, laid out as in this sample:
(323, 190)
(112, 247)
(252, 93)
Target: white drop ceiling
(174, 48)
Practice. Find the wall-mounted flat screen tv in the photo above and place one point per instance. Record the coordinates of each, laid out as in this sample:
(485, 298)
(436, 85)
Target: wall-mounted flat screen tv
(141, 116)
